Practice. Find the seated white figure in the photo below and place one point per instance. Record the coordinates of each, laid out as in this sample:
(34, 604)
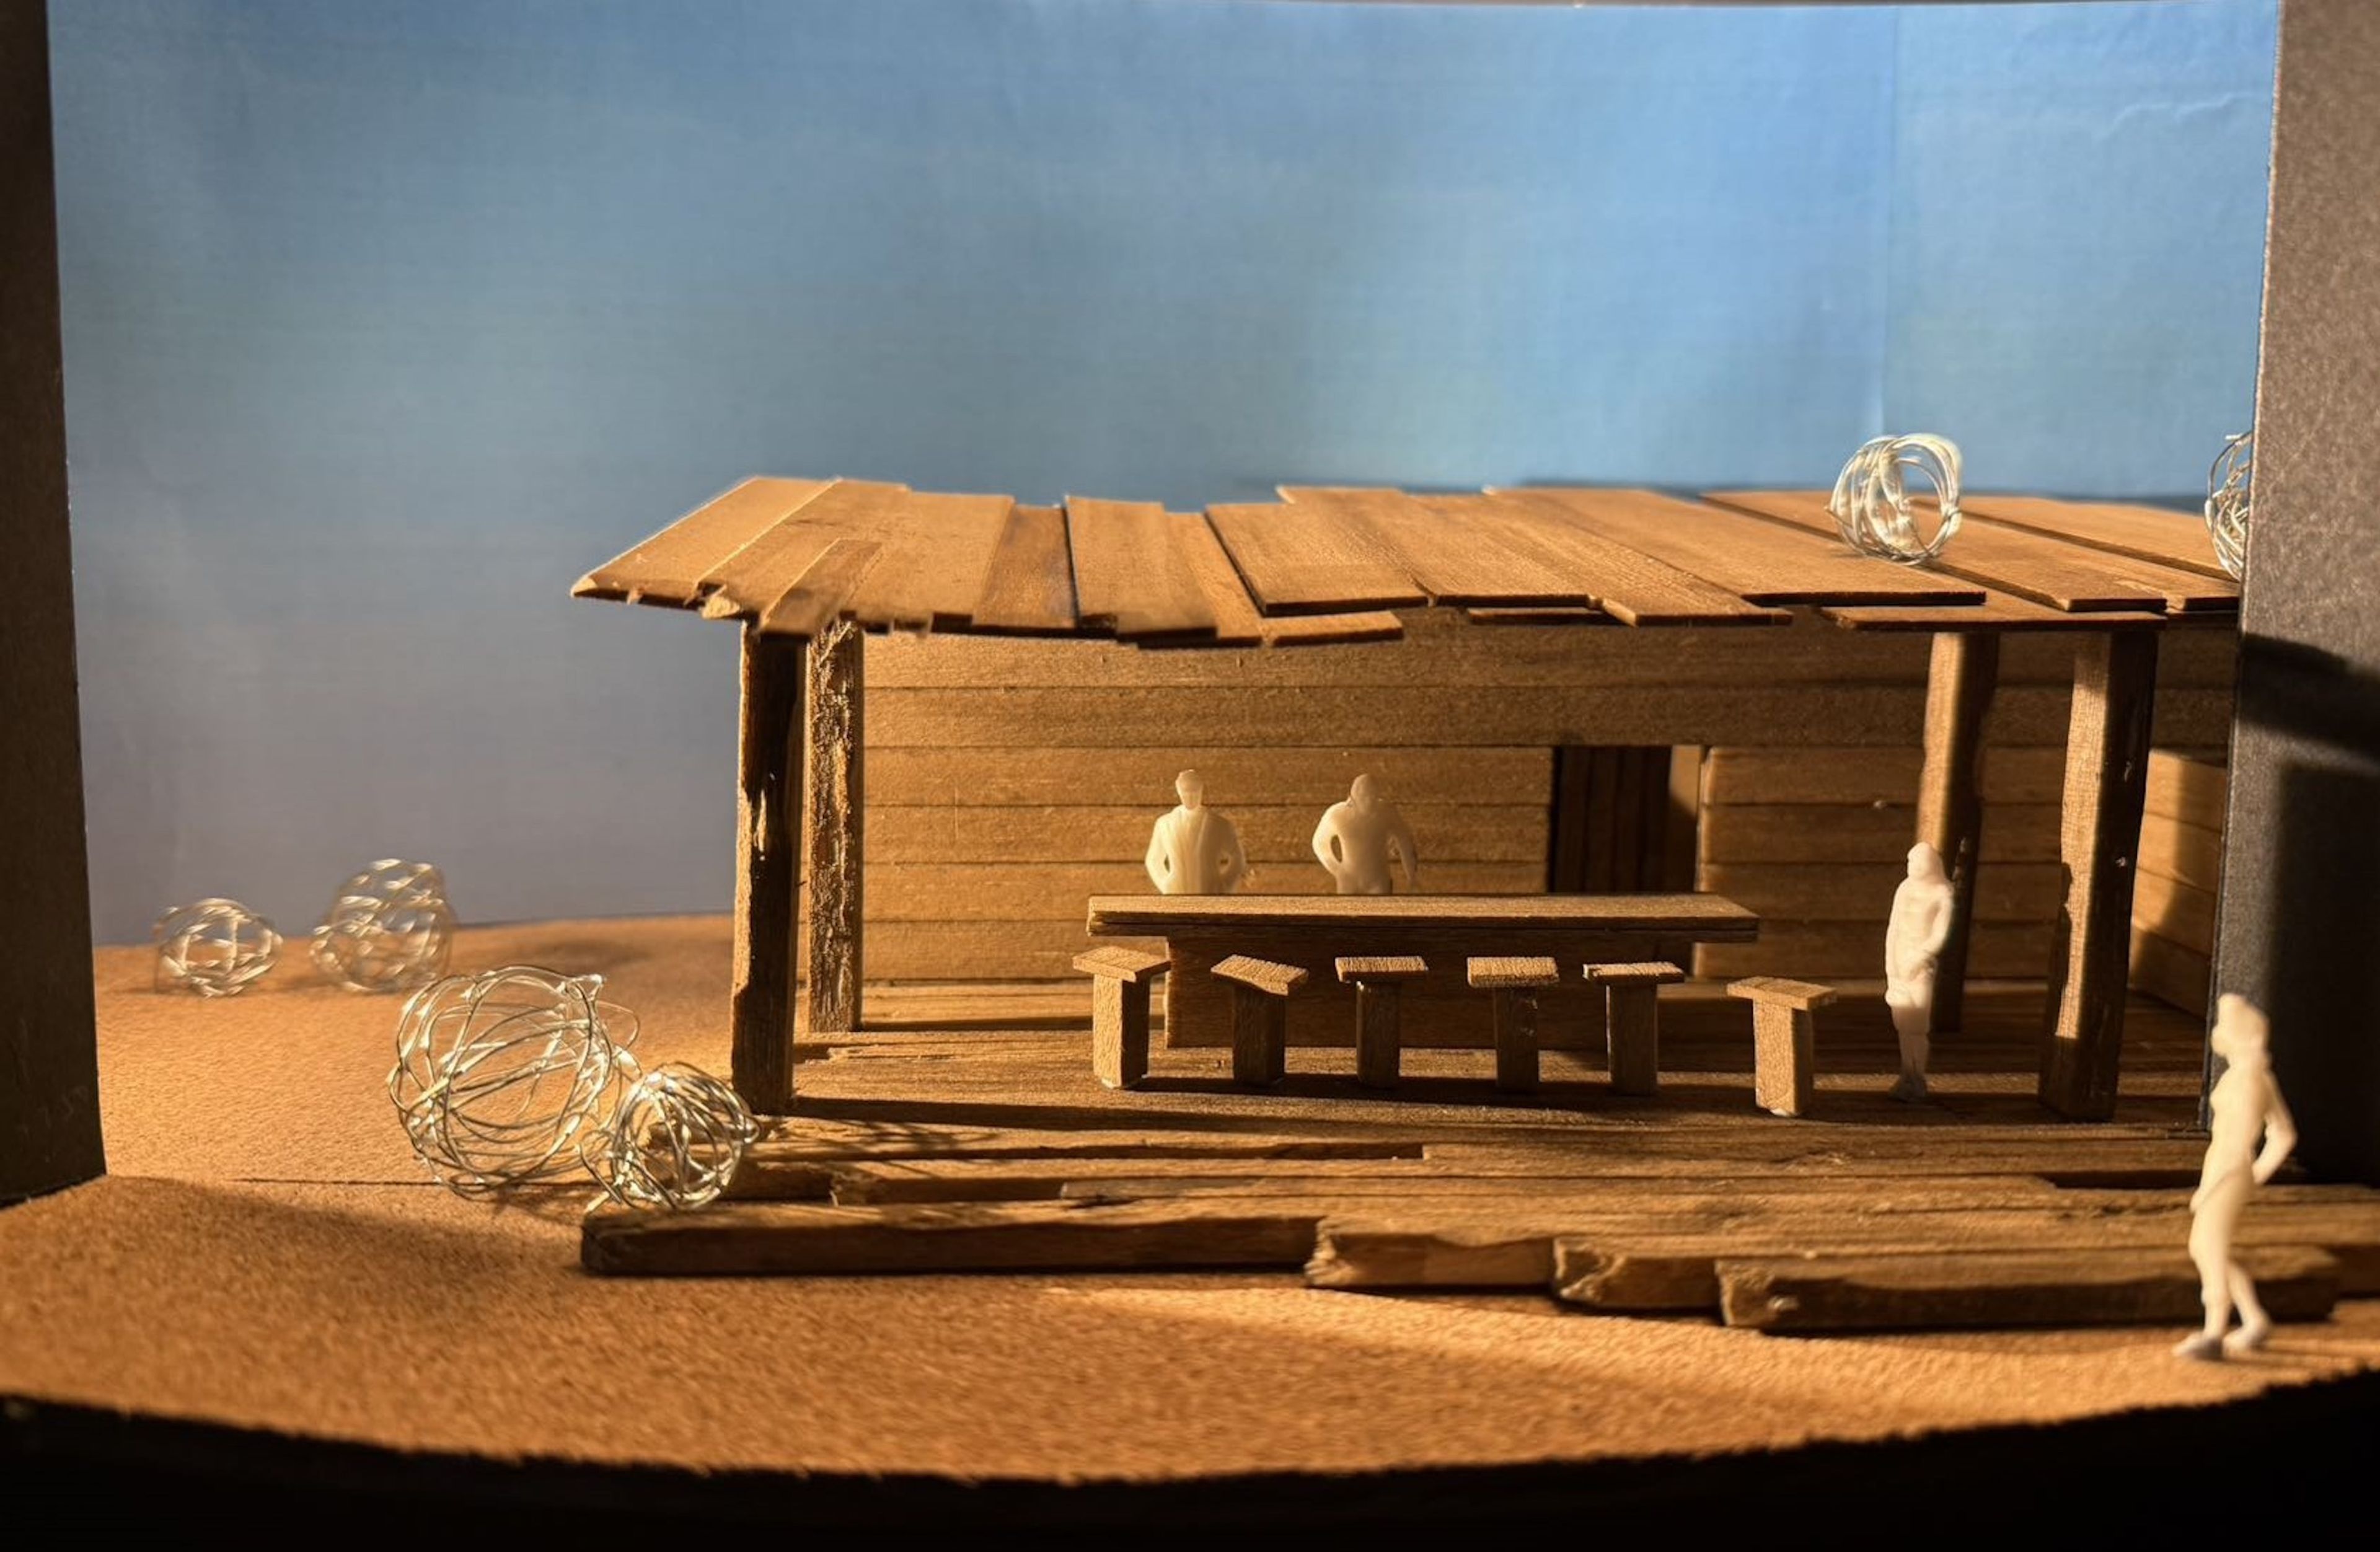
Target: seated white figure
(2244, 1109)
(1359, 839)
(1194, 850)
(1922, 911)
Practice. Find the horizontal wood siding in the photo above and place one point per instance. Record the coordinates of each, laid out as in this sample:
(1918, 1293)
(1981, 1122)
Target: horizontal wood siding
(2173, 900)
(1009, 779)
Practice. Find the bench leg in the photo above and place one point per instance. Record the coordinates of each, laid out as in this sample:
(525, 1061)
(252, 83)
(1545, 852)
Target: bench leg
(1259, 1036)
(1119, 1031)
(1784, 1055)
(1516, 1040)
(1633, 1039)
(1379, 1034)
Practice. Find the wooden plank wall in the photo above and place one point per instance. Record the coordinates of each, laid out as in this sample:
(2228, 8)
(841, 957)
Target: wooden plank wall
(2173, 898)
(1010, 780)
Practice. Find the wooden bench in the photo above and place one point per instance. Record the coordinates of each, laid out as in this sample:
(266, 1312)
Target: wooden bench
(1260, 992)
(1313, 932)
(1380, 1036)
(1631, 1028)
(1515, 982)
(1120, 983)
(1784, 1040)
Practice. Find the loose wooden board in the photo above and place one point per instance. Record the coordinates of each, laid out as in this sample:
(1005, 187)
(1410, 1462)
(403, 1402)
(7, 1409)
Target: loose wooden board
(1029, 589)
(1451, 566)
(1306, 559)
(1130, 575)
(1625, 583)
(2145, 533)
(671, 566)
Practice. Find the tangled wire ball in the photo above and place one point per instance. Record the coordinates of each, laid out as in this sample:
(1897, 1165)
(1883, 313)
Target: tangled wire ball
(675, 1142)
(212, 948)
(1870, 502)
(389, 929)
(502, 1077)
(2228, 503)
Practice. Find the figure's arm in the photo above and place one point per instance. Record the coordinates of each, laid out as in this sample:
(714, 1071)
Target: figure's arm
(1938, 930)
(1159, 865)
(2280, 1135)
(1235, 858)
(1322, 853)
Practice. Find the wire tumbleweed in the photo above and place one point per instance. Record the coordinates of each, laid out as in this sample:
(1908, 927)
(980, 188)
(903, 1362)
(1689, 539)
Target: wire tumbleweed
(1871, 501)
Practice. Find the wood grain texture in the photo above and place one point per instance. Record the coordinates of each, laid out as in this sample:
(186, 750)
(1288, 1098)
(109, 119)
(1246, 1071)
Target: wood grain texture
(1761, 563)
(2175, 909)
(2145, 533)
(49, 1064)
(2006, 892)
(2106, 777)
(1703, 917)
(1997, 951)
(1133, 966)
(2170, 972)
(1632, 1023)
(1270, 977)
(1054, 892)
(2064, 575)
(1131, 578)
(749, 581)
(1451, 566)
(1278, 838)
(1734, 774)
(1958, 694)
(1119, 1029)
(1029, 589)
(2185, 788)
(835, 836)
(2001, 1289)
(1866, 833)
(1625, 583)
(1311, 559)
(768, 871)
(672, 566)
(937, 552)
(1235, 775)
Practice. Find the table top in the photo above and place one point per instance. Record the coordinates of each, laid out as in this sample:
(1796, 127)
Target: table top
(1709, 918)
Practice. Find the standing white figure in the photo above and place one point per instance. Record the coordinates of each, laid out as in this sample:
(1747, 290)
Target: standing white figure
(1922, 911)
(2245, 1106)
(1194, 850)
(1358, 840)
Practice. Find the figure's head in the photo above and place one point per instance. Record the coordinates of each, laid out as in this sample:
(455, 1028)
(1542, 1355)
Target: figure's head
(1362, 793)
(1925, 861)
(1191, 788)
(2240, 1029)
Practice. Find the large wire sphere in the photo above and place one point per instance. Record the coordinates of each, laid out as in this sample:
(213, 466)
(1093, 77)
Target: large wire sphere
(2228, 502)
(212, 948)
(1870, 502)
(675, 1142)
(389, 929)
(501, 1076)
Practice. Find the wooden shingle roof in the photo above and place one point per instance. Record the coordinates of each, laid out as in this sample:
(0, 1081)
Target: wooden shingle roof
(1334, 563)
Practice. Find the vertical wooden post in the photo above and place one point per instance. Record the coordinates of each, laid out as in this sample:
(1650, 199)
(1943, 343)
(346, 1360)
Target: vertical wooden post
(1259, 1036)
(1379, 1033)
(2099, 835)
(1631, 1027)
(768, 871)
(837, 737)
(1513, 984)
(49, 1052)
(1119, 986)
(1965, 673)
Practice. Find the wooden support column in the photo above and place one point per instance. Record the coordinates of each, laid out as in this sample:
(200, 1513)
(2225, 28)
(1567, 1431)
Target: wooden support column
(1379, 1015)
(768, 871)
(1631, 1021)
(1965, 671)
(1784, 1040)
(1120, 983)
(1260, 992)
(2099, 837)
(838, 659)
(1514, 983)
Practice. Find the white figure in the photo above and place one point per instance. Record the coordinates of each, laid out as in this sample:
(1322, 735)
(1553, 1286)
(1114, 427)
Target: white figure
(1358, 840)
(1194, 850)
(2245, 1106)
(1922, 910)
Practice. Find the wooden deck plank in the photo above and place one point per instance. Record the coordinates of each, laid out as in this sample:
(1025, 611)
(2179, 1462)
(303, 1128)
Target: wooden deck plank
(1452, 566)
(1627, 584)
(1999, 613)
(2144, 533)
(938, 551)
(744, 585)
(1030, 589)
(669, 567)
(1237, 621)
(2065, 575)
(1761, 563)
(1131, 576)
(1311, 559)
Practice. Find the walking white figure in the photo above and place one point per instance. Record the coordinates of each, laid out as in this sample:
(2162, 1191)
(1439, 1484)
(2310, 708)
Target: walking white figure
(1358, 840)
(1922, 911)
(2244, 1107)
(1192, 849)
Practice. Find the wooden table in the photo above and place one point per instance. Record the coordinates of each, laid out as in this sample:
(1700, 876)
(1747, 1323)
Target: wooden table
(1312, 931)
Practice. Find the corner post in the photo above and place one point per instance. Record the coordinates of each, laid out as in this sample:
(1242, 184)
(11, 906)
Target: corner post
(768, 871)
(2099, 840)
(837, 737)
(1965, 673)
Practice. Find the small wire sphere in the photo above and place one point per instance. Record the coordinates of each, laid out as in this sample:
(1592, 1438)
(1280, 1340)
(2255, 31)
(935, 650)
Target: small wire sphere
(389, 929)
(1870, 502)
(500, 1077)
(212, 948)
(2228, 502)
(675, 1142)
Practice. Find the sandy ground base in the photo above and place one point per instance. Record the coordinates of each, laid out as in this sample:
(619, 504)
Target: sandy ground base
(267, 1256)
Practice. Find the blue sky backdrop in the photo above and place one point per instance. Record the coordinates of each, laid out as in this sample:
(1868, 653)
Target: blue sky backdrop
(385, 322)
